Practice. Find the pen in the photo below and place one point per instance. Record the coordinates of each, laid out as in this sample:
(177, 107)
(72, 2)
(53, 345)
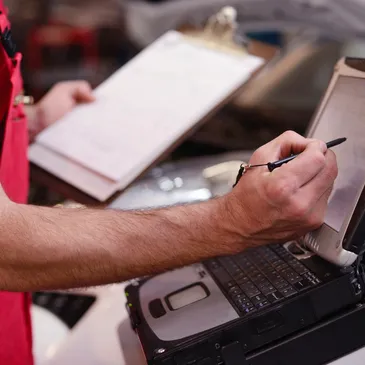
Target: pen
(273, 165)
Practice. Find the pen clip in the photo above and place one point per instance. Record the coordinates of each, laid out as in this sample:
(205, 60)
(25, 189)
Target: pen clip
(241, 171)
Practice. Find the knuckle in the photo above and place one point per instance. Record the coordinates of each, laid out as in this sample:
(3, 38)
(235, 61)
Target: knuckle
(259, 155)
(71, 83)
(280, 190)
(298, 209)
(60, 86)
(318, 158)
(333, 167)
(333, 173)
(330, 172)
(315, 222)
(82, 83)
(290, 134)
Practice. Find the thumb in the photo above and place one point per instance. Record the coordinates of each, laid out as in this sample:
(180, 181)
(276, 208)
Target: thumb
(82, 92)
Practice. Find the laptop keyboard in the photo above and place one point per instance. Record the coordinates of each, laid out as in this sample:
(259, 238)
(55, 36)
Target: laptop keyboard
(260, 277)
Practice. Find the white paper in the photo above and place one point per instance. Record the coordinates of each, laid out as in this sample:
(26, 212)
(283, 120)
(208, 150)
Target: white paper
(143, 108)
(95, 185)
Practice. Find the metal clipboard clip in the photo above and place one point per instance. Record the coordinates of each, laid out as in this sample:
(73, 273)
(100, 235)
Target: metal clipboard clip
(219, 33)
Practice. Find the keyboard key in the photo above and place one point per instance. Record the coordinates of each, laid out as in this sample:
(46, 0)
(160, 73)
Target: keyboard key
(213, 265)
(271, 272)
(239, 296)
(274, 297)
(294, 279)
(234, 290)
(236, 272)
(276, 263)
(292, 261)
(311, 278)
(268, 290)
(262, 283)
(287, 292)
(243, 303)
(281, 267)
(257, 278)
(247, 286)
(257, 299)
(276, 278)
(300, 269)
(262, 304)
(222, 275)
(238, 275)
(288, 272)
(248, 310)
(252, 292)
(301, 285)
(228, 285)
(233, 270)
(281, 284)
(243, 280)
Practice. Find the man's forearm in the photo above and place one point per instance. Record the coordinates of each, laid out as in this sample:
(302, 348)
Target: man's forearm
(49, 248)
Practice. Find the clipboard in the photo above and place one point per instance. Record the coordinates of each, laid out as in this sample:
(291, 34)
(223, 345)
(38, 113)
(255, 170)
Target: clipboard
(217, 36)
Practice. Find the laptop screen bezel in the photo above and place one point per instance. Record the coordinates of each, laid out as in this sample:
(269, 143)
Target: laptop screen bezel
(352, 233)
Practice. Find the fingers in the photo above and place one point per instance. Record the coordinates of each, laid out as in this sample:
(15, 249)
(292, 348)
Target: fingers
(308, 205)
(305, 166)
(298, 185)
(82, 92)
(281, 147)
(291, 143)
(291, 200)
(318, 212)
(322, 182)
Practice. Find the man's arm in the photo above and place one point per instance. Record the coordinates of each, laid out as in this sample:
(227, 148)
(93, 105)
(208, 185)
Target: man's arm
(48, 248)
(45, 248)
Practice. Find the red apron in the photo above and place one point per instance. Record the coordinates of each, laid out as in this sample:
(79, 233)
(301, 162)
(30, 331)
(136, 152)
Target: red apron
(15, 324)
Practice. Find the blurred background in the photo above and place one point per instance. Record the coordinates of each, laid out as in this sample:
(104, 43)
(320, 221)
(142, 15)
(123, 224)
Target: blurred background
(90, 39)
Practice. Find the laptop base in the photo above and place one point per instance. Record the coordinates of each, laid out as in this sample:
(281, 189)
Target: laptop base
(323, 343)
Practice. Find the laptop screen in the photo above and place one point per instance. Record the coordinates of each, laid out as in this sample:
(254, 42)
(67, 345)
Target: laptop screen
(344, 116)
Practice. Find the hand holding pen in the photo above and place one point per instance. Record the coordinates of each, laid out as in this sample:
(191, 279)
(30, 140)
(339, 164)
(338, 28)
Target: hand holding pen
(289, 202)
(274, 165)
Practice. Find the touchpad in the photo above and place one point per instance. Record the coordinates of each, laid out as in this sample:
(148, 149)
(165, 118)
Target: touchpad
(186, 296)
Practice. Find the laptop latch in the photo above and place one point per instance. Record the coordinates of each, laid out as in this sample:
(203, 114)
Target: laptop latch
(232, 354)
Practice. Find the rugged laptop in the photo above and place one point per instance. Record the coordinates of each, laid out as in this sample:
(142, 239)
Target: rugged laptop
(265, 294)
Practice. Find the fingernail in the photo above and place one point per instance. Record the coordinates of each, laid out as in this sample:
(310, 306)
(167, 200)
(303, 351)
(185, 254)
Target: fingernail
(322, 146)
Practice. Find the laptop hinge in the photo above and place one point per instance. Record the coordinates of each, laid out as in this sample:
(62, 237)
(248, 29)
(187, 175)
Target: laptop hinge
(360, 270)
(232, 354)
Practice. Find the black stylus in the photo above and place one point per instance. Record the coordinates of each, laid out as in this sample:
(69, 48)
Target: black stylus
(273, 165)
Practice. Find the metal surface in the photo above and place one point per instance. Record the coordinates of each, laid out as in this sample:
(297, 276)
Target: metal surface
(178, 183)
(191, 319)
